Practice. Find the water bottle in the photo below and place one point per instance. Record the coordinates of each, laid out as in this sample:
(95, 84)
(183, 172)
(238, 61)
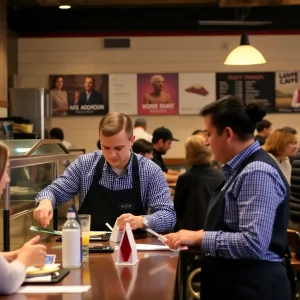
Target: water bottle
(71, 242)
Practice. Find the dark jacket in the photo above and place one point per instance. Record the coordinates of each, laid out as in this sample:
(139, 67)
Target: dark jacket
(95, 98)
(260, 139)
(192, 194)
(295, 189)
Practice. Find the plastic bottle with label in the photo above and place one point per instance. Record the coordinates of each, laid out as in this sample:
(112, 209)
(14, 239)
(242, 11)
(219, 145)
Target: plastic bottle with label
(71, 242)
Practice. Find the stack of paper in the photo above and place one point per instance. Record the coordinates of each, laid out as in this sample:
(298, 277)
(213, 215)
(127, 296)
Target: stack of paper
(55, 289)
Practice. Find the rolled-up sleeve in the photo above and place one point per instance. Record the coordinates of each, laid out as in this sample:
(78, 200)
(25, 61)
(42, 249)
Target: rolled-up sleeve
(163, 216)
(64, 187)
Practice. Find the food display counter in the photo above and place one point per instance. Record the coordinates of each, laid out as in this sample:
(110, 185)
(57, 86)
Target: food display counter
(34, 164)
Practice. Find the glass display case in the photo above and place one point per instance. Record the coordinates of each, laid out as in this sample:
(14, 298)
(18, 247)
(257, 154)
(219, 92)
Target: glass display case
(34, 164)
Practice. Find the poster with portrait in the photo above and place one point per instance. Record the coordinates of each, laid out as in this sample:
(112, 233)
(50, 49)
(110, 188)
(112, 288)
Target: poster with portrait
(195, 91)
(288, 91)
(157, 94)
(123, 93)
(79, 94)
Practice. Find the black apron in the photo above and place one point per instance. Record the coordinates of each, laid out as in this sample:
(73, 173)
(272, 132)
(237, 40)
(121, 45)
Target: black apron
(241, 279)
(105, 205)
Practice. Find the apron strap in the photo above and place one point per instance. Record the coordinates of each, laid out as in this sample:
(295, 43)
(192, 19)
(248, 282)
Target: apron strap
(99, 169)
(135, 172)
(136, 180)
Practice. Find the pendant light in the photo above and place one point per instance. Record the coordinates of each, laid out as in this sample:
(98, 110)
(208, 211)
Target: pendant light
(245, 54)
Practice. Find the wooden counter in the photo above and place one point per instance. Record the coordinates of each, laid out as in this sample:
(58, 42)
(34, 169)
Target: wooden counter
(153, 277)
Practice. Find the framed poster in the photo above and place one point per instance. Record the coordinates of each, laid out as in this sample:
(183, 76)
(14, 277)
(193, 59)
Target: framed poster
(123, 93)
(157, 94)
(288, 92)
(195, 91)
(79, 94)
(254, 86)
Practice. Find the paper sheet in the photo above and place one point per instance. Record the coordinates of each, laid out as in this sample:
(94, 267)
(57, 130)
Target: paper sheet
(55, 289)
(149, 247)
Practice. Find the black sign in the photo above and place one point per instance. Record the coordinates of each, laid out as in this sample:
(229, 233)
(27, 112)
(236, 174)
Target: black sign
(259, 87)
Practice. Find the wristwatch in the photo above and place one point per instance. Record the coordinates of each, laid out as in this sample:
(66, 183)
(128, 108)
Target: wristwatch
(145, 222)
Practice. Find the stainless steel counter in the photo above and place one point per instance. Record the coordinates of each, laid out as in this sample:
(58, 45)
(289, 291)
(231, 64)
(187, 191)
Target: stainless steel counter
(33, 166)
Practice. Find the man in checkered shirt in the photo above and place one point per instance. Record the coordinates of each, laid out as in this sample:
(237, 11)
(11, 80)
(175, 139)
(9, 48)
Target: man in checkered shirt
(114, 184)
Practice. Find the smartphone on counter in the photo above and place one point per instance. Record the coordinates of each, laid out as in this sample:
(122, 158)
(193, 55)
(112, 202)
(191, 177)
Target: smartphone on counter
(101, 249)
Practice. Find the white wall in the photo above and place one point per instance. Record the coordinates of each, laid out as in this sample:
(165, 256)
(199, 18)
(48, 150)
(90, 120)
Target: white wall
(40, 57)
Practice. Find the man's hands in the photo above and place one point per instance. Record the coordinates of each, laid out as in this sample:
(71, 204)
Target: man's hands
(32, 253)
(44, 212)
(134, 221)
(184, 238)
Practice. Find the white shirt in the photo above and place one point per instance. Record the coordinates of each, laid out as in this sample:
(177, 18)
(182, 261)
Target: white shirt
(285, 167)
(12, 275)
(140, 133)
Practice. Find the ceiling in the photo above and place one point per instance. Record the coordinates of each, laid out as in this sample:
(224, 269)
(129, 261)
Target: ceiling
(97, 3)
(121, 17)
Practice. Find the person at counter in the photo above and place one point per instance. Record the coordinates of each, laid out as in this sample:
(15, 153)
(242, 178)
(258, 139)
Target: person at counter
(245, 233)
(162, 139)
(114, 184)
(13, 264)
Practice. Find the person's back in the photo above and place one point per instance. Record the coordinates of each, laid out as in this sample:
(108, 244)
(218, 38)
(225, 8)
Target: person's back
(192, 195)
(194, 187)
(139, 130)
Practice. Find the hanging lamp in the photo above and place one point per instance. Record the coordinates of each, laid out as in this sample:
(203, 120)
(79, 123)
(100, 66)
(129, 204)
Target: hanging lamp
(245, 54)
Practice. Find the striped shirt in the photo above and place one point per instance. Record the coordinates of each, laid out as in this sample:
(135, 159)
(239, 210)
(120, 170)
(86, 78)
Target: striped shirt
(250, 208)
(78, 178)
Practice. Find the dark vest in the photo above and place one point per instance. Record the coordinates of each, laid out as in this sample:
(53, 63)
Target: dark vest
(295, 189)
(247, 279)
(279, 236)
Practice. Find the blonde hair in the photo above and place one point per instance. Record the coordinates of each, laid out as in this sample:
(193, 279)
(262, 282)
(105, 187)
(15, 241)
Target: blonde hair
(4, 152)
(196, 152)
(277, 141)
(114, 122)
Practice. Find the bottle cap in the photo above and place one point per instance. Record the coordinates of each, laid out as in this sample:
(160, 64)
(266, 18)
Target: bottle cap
(71, 213)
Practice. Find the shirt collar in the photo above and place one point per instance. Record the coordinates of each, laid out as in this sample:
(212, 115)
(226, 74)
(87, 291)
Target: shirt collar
(107, 166)
(235, 162)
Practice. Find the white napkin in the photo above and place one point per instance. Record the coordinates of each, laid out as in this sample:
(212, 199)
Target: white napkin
(46, 278)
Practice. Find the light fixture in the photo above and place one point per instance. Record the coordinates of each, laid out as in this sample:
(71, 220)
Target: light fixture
(245, 54)
(65, 6)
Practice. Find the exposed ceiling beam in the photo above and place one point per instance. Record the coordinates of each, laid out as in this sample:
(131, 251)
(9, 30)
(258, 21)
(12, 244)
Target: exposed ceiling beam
(252, 3)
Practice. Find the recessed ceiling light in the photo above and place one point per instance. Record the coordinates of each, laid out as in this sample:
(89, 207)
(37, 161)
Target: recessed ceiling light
(65, 6)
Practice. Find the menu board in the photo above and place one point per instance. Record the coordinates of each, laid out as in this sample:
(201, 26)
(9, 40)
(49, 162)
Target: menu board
(123, 93)
(259, 87)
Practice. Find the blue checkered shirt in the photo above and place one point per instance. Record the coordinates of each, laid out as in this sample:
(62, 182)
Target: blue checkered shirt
(78, 178)
(250, 208)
